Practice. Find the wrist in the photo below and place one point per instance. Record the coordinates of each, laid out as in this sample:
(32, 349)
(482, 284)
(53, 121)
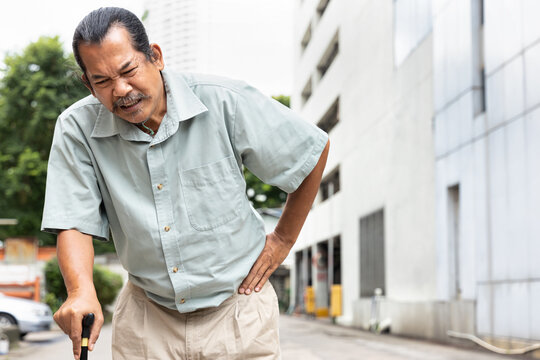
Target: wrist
(86, 290)
(285, 238)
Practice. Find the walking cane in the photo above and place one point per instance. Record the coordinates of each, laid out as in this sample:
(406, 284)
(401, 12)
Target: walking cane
(87, 322)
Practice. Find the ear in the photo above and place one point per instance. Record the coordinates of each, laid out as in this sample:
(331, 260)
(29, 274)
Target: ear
(87, 84)
(157, 57)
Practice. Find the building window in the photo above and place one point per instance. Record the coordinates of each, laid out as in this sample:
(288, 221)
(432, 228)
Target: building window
(321, 8)
(412, 23)
(306, 92)
(372, 268)
(309, 267)
(300, 277)
(329, 55)
(454, 241)
(330, 118)
(306, 38)
(330, 184)
(479, 80)
(335, 256)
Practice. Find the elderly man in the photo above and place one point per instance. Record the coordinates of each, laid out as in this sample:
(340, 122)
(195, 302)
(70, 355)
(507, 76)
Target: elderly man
(156, 158)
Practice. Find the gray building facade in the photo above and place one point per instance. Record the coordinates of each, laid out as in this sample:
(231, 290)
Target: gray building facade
(431, 189)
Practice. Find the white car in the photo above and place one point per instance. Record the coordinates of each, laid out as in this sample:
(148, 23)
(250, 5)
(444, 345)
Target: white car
(28, 315)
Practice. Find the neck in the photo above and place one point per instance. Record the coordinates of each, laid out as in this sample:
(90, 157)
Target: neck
(147, 129)
(151, 125)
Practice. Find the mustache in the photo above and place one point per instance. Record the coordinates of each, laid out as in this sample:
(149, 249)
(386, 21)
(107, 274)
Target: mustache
(129, 99)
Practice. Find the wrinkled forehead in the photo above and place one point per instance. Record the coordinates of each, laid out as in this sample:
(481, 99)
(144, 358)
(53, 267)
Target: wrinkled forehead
(114, 51)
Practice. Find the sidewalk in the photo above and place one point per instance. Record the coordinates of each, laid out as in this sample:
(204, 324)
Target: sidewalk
(301, 339)
(55, 345)
(309, 339)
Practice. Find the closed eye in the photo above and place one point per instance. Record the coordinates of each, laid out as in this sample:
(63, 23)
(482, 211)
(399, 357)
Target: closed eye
(130, 71)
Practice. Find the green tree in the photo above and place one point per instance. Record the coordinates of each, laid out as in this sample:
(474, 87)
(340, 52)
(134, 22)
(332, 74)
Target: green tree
(260, 194)
(35, 87)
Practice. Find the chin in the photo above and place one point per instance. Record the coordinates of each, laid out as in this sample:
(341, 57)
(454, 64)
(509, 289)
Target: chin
(135, 119)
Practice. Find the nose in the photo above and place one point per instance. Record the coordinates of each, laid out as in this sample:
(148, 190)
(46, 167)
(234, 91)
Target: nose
(121, 87)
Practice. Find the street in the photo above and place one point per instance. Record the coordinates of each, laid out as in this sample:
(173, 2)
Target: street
(301, 339)
(304, 339)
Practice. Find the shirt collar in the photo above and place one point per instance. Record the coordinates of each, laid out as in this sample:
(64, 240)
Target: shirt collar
(185, 105)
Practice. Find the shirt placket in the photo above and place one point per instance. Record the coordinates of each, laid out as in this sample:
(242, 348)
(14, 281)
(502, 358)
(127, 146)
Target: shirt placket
(167, 225)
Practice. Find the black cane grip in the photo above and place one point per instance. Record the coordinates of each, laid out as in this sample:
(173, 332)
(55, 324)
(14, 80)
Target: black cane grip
(87, 322)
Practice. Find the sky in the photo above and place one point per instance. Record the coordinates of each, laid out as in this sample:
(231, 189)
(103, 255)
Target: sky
(24, 21)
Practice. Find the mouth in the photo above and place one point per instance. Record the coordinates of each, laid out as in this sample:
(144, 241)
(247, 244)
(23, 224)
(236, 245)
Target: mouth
(131, 106)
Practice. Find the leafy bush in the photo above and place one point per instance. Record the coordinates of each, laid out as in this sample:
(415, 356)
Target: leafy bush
(54, 285)
(106, 282)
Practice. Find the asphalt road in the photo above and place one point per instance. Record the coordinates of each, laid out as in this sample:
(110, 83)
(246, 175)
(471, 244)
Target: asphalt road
(304, 339)
(301, 339)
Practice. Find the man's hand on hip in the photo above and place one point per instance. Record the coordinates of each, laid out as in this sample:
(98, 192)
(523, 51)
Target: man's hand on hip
(275, 251)
(280, 241)
(69, 318)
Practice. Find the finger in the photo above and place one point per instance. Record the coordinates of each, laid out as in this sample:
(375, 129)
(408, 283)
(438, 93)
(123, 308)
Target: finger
(258, 274)
(60, 318)
(75, 333)
(244, 287)
(94, 333)
(57, 319)
(264, 279)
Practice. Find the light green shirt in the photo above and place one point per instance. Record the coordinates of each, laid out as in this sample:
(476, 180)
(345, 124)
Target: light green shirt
(175, 203)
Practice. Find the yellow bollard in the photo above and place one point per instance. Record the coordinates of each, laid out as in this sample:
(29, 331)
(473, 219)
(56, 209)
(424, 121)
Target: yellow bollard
(335, 301)
(321, 312)
(310, 300)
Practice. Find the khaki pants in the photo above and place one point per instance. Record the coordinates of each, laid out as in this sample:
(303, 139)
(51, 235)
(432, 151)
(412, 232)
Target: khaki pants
(242, 327)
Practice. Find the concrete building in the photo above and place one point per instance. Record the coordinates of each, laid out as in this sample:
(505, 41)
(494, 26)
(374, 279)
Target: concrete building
(173, 25)
(377, 202)
(249, 40)
(429, 192)
(487, 125)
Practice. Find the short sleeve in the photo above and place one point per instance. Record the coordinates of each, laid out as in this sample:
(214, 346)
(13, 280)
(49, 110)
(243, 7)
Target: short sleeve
(275, 144)
(72, 197)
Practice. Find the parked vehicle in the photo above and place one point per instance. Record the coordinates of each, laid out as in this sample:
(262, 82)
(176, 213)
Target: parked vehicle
(28, 315)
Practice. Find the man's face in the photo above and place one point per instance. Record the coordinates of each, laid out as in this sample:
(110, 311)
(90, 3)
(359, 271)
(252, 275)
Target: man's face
(124, 80)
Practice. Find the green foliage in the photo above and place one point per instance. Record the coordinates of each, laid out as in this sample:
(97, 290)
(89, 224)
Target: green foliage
(35, 87)
(260, 194)
(107, 285)
(145, 15)
(54, 285)
(263, 195)
(104, 247)
(284, 99)
(53, 301)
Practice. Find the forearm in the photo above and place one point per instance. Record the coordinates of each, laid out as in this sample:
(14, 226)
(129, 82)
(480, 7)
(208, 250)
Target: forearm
(76, 260)
(280, 241)
(299, 202)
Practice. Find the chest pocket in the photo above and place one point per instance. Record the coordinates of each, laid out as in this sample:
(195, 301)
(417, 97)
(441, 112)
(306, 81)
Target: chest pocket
(213, 193)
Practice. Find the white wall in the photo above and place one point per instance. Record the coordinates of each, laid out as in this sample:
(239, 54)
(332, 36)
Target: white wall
(490, 156)
(408, 133)
(383, 144)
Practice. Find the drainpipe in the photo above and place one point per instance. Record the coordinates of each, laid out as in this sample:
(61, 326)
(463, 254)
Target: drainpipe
(493, 348)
